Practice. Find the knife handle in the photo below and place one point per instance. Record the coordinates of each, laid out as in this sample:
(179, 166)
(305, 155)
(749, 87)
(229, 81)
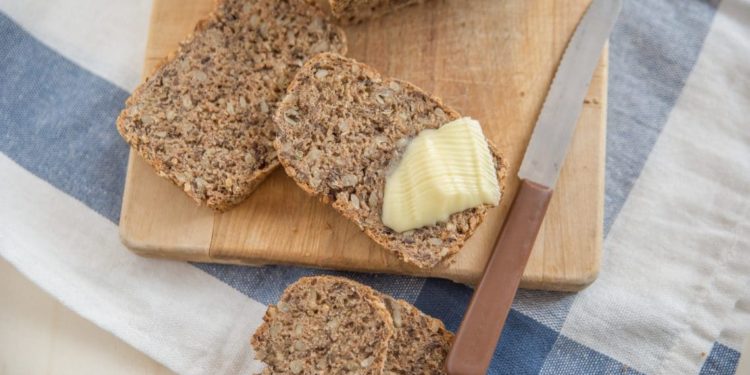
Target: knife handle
(478, 334)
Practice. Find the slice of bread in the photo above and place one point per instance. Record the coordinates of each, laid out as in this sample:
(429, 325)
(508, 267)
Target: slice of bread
(342, 127)
(420, 342)
(204, 118)
(326, 325)
(354, 11)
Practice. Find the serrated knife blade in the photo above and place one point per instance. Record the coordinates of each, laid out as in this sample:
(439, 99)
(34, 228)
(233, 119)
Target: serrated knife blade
(485, 316)
(557, 121)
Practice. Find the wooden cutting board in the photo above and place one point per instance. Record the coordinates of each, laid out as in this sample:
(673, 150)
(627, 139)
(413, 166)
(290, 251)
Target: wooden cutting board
(491, 60)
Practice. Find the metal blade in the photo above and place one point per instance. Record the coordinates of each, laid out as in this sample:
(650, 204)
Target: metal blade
(556, 123)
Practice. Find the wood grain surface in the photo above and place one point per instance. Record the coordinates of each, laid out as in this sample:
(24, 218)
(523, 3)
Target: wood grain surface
(491, 60)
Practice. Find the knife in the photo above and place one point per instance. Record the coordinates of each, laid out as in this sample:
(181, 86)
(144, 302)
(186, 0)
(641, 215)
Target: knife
(479, 332)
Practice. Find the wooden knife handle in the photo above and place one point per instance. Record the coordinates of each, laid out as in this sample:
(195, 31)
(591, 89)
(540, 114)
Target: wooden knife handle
(478, 334)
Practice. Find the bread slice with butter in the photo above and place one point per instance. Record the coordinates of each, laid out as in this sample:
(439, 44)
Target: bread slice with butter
(342, 127)
(328, 324)
(203, 119)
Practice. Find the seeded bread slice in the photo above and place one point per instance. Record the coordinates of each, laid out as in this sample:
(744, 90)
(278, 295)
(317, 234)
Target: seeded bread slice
(342, 127)
(420, 342)
(326, 325)
(203, 119)
(354, 11)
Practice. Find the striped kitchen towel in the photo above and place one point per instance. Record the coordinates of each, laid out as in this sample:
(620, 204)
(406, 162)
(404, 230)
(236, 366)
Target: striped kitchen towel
(673, 295)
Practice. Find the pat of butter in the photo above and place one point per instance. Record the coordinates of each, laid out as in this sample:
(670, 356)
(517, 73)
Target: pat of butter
(443, 171)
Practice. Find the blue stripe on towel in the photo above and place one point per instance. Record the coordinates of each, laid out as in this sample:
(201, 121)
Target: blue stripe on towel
(722, 360)
(524, 343)
(568, 357)
(653, 48)
(57, 121)
(548, 308)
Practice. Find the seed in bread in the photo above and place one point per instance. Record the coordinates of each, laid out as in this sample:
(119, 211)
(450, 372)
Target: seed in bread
(203, 119)
(342, 127)
(354, 11)
(326, 325)
(420, 342)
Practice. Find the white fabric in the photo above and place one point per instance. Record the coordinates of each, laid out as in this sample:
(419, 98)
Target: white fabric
(107, 37)
(205, 324)
(737, 329)
(679, 251)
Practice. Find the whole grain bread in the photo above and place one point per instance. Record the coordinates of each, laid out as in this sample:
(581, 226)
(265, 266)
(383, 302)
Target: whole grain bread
(354, 11)
(342, 126)
(326, 325)
(203, 119)
(420, 342)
